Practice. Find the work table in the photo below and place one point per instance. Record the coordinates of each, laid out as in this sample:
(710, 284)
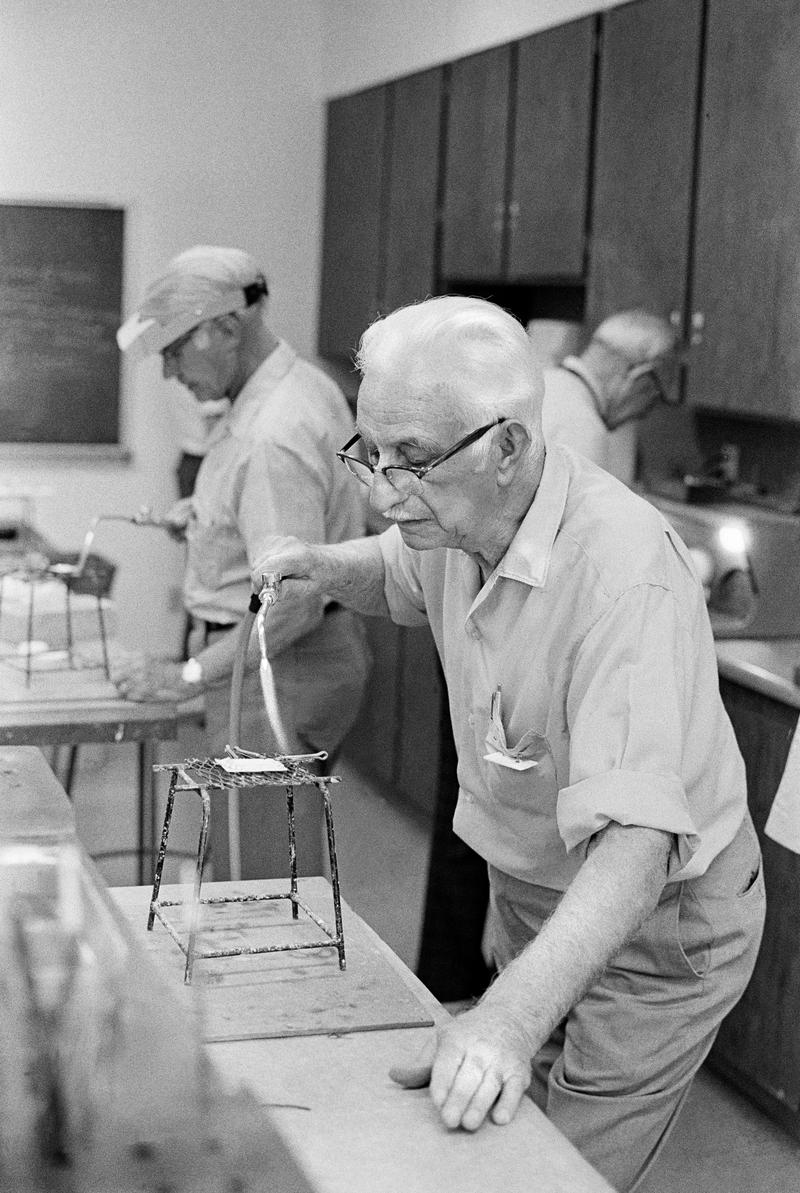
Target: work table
(765, 665)
(332, 1120)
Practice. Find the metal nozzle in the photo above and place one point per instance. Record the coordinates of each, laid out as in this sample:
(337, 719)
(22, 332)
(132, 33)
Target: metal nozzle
(270, 587)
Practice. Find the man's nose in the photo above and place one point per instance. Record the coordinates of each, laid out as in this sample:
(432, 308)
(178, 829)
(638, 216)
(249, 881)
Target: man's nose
(382, 494)
(168, 366)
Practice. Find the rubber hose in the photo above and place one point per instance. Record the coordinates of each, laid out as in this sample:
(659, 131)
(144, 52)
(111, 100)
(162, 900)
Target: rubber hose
(239, 667)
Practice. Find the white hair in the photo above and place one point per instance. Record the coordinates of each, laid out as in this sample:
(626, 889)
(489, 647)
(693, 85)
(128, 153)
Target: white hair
(467, 357)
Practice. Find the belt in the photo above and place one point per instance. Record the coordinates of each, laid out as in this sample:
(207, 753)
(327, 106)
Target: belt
(213, 627)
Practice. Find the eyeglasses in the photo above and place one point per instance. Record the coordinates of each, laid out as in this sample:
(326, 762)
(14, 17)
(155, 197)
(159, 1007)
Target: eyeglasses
(663, 378)
(172, 351)
(406, 478)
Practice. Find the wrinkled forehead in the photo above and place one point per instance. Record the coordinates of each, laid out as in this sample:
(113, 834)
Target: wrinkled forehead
(393, 407)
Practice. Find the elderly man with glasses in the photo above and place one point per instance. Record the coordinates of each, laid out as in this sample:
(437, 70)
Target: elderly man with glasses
(595, 401)
(599, 775)
(270, 470)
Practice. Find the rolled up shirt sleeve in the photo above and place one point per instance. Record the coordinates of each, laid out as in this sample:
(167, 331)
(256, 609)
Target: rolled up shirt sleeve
(402, 586)
(630, 694)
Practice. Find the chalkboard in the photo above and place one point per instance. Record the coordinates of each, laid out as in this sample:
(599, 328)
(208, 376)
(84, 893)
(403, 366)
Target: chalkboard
(60, 305)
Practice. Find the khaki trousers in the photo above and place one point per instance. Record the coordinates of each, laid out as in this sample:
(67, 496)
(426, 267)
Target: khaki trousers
(614, 1075)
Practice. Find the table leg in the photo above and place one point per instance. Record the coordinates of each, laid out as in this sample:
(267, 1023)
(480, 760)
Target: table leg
(147, 811)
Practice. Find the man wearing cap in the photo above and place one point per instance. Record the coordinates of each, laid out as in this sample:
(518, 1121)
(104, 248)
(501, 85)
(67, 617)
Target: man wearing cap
(269, 471)
(594, 401)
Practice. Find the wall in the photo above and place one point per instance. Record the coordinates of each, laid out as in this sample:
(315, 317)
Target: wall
(205, 121)
(370, 41)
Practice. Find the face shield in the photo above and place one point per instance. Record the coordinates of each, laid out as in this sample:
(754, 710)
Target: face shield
(141, 336)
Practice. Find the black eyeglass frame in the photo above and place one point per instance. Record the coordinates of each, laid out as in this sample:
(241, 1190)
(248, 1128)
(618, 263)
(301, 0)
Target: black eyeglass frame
(421, 470)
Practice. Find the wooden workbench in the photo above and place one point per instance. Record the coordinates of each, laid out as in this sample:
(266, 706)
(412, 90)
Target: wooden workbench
(76, 707)
(333, 1112)
(351, 1128)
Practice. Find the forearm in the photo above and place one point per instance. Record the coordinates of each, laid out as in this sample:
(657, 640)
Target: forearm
(350, 573)
(353, 574)
(611, 896)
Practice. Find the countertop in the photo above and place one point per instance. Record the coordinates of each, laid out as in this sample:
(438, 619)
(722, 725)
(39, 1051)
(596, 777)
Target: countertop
(766, 665)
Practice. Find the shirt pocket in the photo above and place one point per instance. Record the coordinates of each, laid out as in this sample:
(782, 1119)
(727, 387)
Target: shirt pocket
(520, 773)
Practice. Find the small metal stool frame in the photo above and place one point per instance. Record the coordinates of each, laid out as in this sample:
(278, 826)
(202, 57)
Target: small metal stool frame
(204, 775)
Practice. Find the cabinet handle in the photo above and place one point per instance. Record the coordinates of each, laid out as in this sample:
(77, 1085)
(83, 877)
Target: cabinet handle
(698, 326)
(499, 217)
(675, 320)
(513, 214)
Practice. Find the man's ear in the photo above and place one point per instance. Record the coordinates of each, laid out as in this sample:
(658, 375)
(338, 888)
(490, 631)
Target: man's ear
(513, 440)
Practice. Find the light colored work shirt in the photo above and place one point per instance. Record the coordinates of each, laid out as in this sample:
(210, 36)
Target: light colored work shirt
(270, 470)
(570, 416)
(587, 653)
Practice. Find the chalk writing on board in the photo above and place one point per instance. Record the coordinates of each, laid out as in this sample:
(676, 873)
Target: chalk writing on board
(60, 305)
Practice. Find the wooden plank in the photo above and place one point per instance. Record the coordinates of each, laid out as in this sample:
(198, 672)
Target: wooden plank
(73, 706)
(413, 189)
(33, 804)
(475, 163)
(351, 243)
(640, 222)
(144, 1109)
(355, 1131)
(551, 153)
(284, 993)
(746, 285)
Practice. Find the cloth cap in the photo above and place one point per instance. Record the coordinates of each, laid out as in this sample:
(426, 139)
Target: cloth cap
(199, 284)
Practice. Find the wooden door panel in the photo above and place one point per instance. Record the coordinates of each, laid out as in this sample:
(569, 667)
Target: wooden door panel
(758, 1045)
(552, 131)
(475, 165)
(641, 210)
(413, 189)
(351, 275)
(746, 278)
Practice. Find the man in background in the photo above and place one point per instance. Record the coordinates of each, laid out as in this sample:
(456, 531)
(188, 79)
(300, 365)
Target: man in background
(594, 401)
(269, 470)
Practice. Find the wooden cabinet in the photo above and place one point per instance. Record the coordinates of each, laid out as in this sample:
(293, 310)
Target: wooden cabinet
(517, 159)
(552, 124)
(409, 268)
(746, 289)
(396, 737)
(473, 221)
(352, 229)
(381, 189)
(647, 155)
(644, 157)
(758, 1047)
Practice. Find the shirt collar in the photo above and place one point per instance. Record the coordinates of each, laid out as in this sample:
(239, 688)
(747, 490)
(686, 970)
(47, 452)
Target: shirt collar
(528, 556)
(574, 365)
(271, 370)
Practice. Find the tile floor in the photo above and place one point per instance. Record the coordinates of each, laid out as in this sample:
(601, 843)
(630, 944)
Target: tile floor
(721, 1144)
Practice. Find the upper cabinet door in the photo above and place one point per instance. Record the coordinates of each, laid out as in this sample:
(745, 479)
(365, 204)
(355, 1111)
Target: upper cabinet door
(746, 292)
(552, 134)
(351, 257)
(475, 167)
(410, 270)
(641, 210)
